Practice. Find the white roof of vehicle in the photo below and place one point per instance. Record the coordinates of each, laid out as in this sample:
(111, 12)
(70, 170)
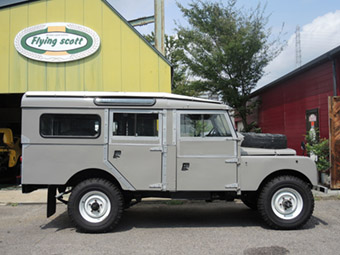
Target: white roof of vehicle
(85, 94)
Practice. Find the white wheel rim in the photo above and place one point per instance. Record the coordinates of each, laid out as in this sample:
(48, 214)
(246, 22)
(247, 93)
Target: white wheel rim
(287, 203)
(94, 206)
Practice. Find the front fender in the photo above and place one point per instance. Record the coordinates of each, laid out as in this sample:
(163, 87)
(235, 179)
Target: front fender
(254, 169)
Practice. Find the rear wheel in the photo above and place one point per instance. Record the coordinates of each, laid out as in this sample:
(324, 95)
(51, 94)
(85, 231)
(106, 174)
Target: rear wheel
(95, 205)
(286, 202)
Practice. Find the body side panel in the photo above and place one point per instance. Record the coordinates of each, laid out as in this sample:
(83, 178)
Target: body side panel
(56, 164)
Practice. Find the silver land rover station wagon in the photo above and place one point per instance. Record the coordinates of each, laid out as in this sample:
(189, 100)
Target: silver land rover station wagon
(111, 150)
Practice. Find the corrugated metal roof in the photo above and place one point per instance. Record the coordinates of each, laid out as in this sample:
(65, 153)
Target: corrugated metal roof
(321, 59)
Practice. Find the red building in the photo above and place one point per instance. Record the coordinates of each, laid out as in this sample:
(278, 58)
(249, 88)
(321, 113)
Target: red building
(294, 102)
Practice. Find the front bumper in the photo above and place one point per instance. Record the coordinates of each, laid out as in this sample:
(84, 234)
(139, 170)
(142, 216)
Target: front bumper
(320, 188)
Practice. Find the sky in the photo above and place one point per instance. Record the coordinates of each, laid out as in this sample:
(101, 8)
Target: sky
(319, 23)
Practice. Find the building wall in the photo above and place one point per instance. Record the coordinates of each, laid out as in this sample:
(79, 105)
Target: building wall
(283, 106)
(124, 61)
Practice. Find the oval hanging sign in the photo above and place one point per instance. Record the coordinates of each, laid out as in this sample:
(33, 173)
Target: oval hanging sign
(57, 42)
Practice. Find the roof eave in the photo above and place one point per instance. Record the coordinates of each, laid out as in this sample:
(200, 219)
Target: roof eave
(7, 3)
(321, 59)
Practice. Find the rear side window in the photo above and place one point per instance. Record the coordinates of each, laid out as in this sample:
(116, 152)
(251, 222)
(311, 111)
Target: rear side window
(135, 124)
(70, 125)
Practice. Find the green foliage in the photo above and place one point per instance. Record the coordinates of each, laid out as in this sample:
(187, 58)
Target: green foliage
(254, 128)
(199, 127)
(320, 148)
(226, 50)
(180, 83)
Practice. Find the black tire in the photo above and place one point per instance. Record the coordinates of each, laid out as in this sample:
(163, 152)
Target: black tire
(286, 202)
(127, 202)
(95, 205)
(265, 141)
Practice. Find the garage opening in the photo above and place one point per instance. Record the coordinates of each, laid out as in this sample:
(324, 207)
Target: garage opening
(10, 133)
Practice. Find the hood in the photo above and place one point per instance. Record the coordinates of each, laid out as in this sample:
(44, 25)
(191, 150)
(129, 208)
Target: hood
(247, 151)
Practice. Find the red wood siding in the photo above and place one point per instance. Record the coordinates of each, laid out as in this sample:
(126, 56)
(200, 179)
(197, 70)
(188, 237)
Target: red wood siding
(283, 106)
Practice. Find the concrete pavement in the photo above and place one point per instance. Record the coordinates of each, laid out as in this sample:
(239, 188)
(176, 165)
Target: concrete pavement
(15, 196)
(160, 229)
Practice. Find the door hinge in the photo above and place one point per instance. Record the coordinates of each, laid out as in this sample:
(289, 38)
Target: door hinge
(156, 149)
(232, 160)
(155, 186)
(233, 187)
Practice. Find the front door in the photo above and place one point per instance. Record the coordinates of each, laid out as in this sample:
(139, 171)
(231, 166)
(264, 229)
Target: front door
(135, 147)
(206, 151)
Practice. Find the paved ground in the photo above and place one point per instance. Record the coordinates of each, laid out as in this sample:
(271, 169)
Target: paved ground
(168, 228)
(14, 195)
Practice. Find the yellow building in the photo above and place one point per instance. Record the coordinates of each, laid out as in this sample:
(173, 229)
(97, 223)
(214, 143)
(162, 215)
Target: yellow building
(124, 60)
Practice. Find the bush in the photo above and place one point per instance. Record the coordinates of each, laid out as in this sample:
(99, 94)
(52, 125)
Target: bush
(319, 148)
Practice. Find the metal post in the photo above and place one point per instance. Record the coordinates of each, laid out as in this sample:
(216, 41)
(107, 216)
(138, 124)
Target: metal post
(334, 78)
(159, 25)
(142, 21)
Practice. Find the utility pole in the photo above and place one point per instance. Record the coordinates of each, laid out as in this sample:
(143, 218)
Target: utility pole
(298, 47)
(159, 25)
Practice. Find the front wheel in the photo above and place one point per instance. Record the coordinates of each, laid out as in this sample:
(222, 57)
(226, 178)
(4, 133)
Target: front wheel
(286, 202)
(95, 205)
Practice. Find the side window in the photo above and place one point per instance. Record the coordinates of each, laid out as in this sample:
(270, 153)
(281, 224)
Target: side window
(69, 125)
(135, 124)
(204, 125)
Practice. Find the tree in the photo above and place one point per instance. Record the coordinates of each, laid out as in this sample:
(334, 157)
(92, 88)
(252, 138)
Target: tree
(180, 83)
(226, 50)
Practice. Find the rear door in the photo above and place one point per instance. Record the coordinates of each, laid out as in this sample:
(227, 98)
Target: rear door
(206, 151)
(135, 147)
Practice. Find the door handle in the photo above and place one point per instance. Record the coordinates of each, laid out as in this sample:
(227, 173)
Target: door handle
(185, 166)
(117, 154)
